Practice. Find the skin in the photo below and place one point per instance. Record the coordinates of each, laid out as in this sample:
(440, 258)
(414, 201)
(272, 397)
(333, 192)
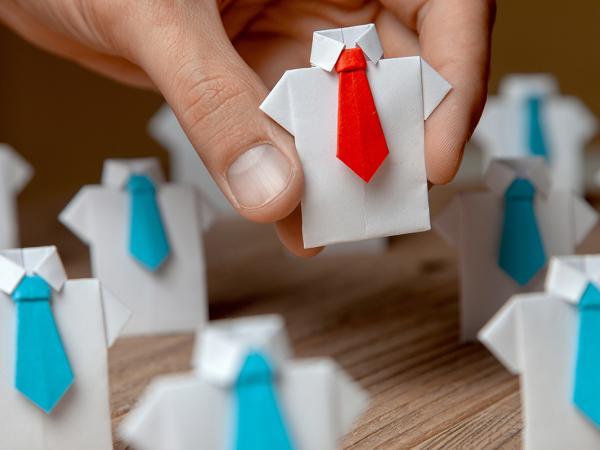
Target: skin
(214, 61)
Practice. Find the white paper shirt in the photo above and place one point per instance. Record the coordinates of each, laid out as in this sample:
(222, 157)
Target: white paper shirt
(172, 299)
(337, 206)
(182, 412)
(15, 173)
(536, 335)
(186, 165)
(89, 319)
(568, 126)
(473, 223)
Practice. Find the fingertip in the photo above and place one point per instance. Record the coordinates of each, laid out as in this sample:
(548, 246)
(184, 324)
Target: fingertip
(450, 127)
(289, 231)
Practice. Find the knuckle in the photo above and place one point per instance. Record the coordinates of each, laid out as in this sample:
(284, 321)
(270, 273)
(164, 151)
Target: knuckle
(100, 19)
(210, 104)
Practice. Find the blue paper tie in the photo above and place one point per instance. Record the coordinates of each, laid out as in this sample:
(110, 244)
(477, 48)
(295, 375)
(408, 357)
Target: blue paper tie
(521, 249)
(260, 424)
(587, 370)
(148, 242)
(43, 373)
(537, 141)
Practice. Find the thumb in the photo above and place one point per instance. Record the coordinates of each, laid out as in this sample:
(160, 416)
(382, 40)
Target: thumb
(215, 96)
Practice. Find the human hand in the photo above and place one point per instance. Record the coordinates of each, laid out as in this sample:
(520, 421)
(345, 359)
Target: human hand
(213, 60)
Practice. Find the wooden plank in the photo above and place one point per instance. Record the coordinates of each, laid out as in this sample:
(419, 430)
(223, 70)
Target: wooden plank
(390, 320)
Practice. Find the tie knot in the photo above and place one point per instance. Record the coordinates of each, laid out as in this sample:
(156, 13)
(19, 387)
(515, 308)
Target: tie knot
(140, 183)
(351, 59)
(256, 369)
(590, 299)
(520, 189)
(31, 288)
(534, 103)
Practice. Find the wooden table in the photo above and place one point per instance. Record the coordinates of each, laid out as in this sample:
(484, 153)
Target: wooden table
(390, 320)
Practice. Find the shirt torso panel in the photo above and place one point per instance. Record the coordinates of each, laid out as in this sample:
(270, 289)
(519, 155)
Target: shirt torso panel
(82, 417)
(565, 145)
(485, 287)
(207, 412)
(8, 213)
(395, 200)
(173, 298)
(547, 330)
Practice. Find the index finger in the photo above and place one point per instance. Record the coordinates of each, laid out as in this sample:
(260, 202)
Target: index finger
(454, 38)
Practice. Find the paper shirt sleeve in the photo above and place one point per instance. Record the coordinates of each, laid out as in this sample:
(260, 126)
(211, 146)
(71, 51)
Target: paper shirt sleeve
(17, 171)
(500, 336)
(142, 427)
(163, 126)
(581, 120)
(352, 401)
(435, 88)
(584, 217)
(207, 212)
(447, 223)
(278, 104)
(75, 215)
(116, 316)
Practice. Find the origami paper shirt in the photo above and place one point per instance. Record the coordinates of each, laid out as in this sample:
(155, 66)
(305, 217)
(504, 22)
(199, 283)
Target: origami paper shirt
(89, 320)
(171, 299)
(536, 336)
(473, 222)
(337, 206)
(15, 173)
(186, 165)
(318, 400)
(565, 126)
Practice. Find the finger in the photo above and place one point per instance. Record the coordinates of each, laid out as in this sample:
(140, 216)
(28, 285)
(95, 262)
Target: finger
(215, 96)
(454, 37)
(289, 231)
(396, 38)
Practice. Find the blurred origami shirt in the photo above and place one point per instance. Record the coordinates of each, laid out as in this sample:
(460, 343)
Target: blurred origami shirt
(171, 299)
(473, 223)
(318, 401)
(15, 173)
(563, 124)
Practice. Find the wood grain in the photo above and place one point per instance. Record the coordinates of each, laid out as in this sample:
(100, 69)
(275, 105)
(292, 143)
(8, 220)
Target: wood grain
(390, 320)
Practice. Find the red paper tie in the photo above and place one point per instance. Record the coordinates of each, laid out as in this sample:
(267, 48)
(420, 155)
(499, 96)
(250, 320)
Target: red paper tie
(361, 143)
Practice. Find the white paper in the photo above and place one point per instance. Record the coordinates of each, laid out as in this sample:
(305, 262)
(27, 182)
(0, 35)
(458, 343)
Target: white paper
(473, 223)
(337, 206)
(81, 420)
(568, 126)
(535, 335)
(15, 173)
(182, 412)
(186, 165)
(173, 299)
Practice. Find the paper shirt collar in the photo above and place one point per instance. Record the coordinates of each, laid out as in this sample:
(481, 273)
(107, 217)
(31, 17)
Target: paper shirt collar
(116, 172)
(502, 172)
(568, 276)
(42, 261)
(221, 348)
(328, 44)
(526, 85)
